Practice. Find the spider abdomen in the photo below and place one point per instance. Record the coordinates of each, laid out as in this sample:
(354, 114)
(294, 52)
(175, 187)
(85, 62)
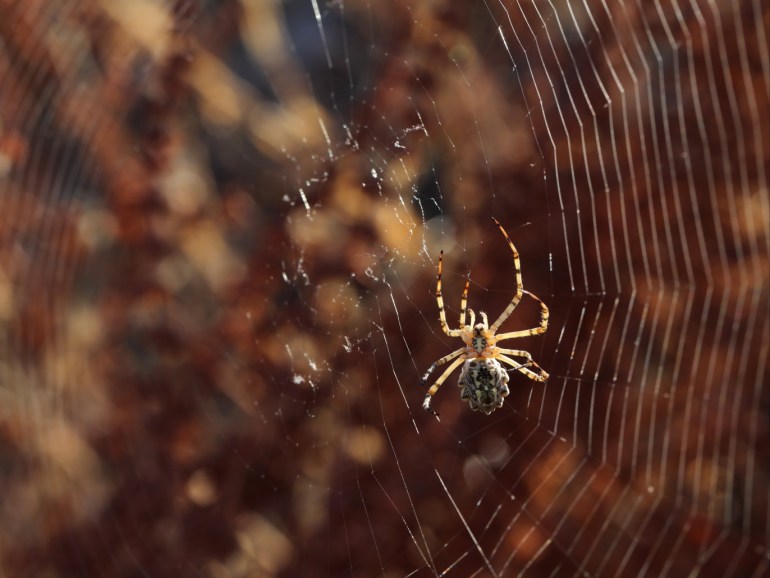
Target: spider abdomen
(484, 384)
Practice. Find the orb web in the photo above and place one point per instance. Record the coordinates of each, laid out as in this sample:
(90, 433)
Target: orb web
(220, 231)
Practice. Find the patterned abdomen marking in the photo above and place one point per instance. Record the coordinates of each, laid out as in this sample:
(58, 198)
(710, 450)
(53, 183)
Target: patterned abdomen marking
(484, 383)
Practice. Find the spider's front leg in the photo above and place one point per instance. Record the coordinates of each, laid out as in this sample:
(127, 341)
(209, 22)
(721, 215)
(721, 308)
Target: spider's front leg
(540, 329)
(519, 285)
(440, 300)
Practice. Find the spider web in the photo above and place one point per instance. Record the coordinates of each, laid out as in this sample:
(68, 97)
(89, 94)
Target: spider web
(220, 231)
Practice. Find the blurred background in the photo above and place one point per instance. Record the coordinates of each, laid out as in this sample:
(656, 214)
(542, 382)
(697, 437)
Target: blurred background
(219, 229)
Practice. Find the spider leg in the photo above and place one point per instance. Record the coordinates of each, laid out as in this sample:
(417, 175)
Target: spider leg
(464, 303)
(519, 288)
(434, 388)
(440, 300)
(441, 362)
(542, 376)
(534, 331)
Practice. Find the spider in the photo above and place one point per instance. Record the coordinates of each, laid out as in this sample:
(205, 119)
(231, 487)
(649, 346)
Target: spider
(483, 379)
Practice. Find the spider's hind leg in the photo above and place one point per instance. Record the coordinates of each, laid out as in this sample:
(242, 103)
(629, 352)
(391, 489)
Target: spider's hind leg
(542, 376)
(434, 388)
(441, 362)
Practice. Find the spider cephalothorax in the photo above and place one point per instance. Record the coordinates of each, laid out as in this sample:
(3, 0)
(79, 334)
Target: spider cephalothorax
(483, 379)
